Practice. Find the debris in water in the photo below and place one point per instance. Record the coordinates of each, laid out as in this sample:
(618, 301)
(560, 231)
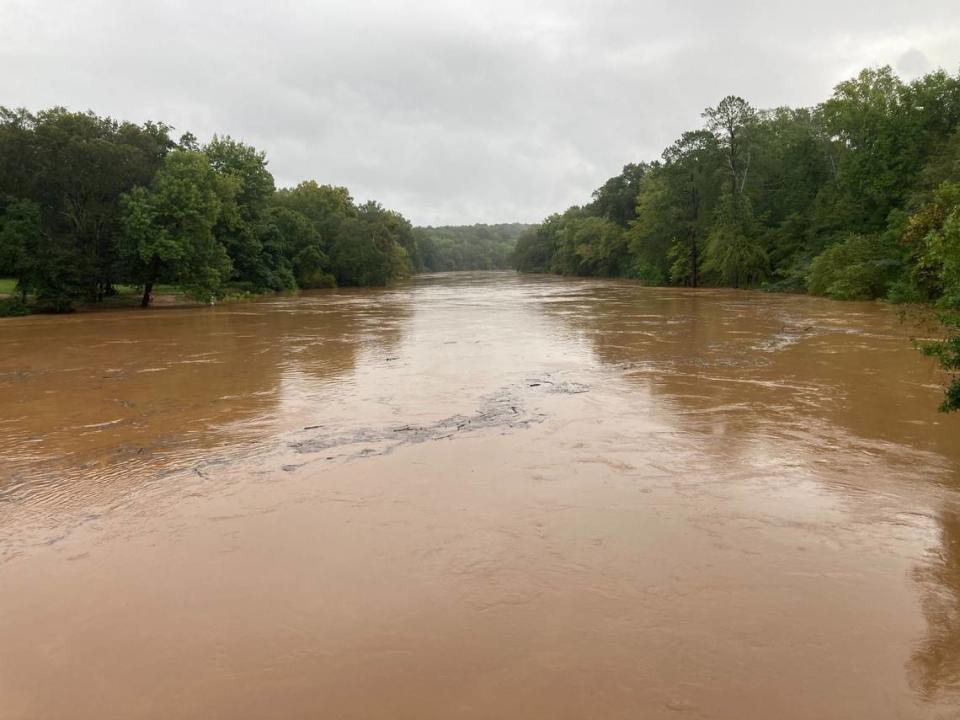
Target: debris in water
(502, 409)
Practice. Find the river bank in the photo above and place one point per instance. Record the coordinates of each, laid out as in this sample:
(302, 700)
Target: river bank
(127, 296)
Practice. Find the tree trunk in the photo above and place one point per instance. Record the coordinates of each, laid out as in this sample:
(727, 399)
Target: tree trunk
(153, 274)
(694, 247)
(695, 259)
(743, 181)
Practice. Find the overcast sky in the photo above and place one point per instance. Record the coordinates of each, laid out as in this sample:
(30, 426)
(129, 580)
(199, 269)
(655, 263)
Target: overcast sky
(454, 112)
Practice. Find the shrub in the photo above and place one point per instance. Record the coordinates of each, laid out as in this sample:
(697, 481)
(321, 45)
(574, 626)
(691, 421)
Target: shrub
(858, 268)
(13, 307)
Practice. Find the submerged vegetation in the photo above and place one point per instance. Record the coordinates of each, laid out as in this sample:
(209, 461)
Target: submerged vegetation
(856, 198)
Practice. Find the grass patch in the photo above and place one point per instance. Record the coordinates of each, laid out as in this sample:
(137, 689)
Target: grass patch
(126, 296)
(138, 290)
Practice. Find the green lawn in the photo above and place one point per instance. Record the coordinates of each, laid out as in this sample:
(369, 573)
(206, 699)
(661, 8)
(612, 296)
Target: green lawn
(130, 294)
(138, 289)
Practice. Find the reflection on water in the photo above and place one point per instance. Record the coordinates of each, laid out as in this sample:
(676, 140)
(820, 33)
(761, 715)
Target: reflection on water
(478, 495)
(766, 362)
(97, 404)
(935, 665)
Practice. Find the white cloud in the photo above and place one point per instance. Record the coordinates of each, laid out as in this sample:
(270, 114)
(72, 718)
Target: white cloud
(453, 111)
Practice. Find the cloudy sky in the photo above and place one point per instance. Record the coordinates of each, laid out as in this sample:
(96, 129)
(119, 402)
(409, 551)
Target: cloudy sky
(450, 111)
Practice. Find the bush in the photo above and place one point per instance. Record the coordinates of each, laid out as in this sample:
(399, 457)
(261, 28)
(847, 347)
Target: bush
(317, 279)
(13, 307)
(858, 268)
(648, 274)
(791, 279)
(947, 353)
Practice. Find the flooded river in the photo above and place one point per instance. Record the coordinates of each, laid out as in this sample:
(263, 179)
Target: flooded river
(478, 496)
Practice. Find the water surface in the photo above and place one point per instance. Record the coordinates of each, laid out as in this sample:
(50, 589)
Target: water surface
(478, 495)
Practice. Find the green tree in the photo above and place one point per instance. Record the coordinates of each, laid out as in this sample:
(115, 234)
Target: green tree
(732, 123)
(616, 199)
(733, 253)
(655, 230)
(357, 258)
(246, 233)
(297, 247)
(690, 190)
(947, 353)
(326, 206)
(20, 244)
(75, 167)
(536, 246)
(589, 245)
(466, 247)
(859, 268)
(932, 239)
(169, 226)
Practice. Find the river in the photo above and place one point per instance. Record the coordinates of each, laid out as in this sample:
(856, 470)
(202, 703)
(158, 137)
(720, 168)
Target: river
(478, 495)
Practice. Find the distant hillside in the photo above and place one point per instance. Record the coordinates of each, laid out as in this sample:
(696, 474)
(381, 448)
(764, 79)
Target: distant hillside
(467, 247)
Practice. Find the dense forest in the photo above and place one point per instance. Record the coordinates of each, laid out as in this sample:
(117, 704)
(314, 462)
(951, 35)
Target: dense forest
(89, 204)
(468, 247)
(856, 198)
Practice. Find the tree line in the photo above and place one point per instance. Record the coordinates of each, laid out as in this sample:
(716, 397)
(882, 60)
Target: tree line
(855, 198)
(468, 247)
(88, 204)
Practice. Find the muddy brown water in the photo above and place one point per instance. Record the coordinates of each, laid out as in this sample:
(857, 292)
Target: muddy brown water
(478, 496)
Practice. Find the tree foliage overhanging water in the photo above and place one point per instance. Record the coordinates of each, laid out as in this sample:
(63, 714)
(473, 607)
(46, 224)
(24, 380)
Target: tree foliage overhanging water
(856, 198)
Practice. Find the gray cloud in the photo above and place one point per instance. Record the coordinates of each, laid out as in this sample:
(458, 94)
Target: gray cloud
(453, 111)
